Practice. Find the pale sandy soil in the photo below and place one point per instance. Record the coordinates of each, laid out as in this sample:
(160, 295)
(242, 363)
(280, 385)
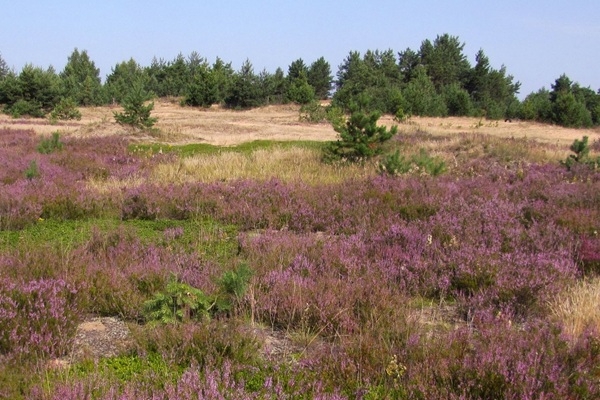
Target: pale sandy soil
(220, 126)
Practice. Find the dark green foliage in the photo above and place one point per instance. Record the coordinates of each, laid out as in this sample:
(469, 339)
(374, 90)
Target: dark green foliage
(22, 107)
(422, 98)
(33, 92)
(274, 86)
(80, 80)
(233, 285)
(360, 138)
(568, 111)
(568, 104)
(4, 70)
(457, 100)
(298, 89)
(591, 100)
(537, 106)
(51, 144)
(202, 90)
(33, 171)
(245, 91)
(444, 60)
(374, 82)
(124, 78)
(297, 69)
(179, 302)
(313, 112)
(136, 113)
(492, 90)
(581, 156)
(223, 78)
(319, 77)
(66, 109)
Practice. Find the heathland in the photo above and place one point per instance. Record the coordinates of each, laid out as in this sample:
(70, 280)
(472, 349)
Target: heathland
(216, 255)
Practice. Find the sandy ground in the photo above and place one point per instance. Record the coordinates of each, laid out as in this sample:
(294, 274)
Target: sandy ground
(220, 126)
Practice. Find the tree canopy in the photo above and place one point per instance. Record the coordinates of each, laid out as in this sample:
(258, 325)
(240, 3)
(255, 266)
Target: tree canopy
(437, 79)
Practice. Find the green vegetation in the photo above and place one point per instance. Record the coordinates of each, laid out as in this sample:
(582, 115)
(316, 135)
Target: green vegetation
(397, 164)
(434, 80)
(51, 144)
(581, 150)
(179, 302)
(360, 138)
(66, 109)
(188, 150)
(136, 113)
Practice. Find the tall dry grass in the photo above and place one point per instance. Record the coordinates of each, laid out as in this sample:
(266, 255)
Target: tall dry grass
(286, 164)
(578, 307)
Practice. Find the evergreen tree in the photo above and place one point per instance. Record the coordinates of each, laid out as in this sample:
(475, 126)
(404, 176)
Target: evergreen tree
(567, 109)
(492, 91)
(157, 76)
(374, 82)
(122, 79)
(33, 92)
(457, 100)
(444, 60)
(223, 77)
(591, 100)
(360, 138)
(408, 61)
(245, 90)
(422, 98)
(299, 90)
(319, 77)
(177, 76)
(136, 112)
(4, 70)
(80, 80)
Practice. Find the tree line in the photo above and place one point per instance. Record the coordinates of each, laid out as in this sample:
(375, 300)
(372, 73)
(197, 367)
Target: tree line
(435, 80)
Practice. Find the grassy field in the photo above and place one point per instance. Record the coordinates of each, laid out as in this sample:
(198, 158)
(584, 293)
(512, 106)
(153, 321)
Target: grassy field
(217, 257)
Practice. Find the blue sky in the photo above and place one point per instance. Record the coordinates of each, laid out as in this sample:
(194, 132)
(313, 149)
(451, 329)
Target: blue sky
(536, 40)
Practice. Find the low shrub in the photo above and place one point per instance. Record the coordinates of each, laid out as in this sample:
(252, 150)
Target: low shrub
(360, 138)
(396, 164)
(37, 318)
(66, 109)
(51, 144)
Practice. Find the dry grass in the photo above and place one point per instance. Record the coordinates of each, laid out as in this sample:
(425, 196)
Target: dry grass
(288, 165)
(578, 307)
(219, 126)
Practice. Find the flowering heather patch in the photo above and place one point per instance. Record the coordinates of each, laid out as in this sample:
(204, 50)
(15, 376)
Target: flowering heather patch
(37, 318)
(351, 272)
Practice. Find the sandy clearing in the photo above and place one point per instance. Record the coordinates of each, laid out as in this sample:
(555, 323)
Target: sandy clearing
(221, 126)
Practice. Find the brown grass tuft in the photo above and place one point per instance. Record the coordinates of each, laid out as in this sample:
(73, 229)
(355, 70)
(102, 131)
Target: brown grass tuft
(288, 165)
(577, 308)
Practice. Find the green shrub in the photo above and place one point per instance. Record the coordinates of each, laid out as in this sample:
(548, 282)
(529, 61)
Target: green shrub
(33, 171)
(360, 138)
(396, 164)
(66, 109)
(313, 112)
(233, 285)
(581, 156)
(32, 108)
(179, 302)
(51, 144)
(135, 113)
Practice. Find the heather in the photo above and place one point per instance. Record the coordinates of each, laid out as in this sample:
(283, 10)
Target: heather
(414, 285)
